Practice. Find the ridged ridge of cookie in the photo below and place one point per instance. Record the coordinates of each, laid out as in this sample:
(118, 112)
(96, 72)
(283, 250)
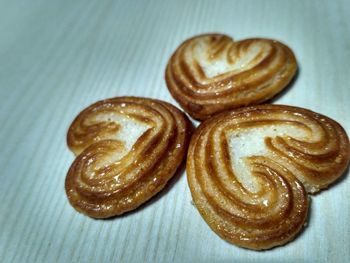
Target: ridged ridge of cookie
(211, 73)
(127, 149)
(249, 171)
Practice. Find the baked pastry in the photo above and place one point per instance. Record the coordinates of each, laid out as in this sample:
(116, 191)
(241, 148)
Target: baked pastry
(212, 73)
(127, 149)
(249, 171)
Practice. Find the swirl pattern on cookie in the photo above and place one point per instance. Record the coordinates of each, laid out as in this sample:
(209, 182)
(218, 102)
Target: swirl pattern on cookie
(249, 171)
(127, 149)
(211, 73)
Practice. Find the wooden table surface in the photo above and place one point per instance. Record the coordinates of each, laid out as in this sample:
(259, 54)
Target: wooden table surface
(57, 57)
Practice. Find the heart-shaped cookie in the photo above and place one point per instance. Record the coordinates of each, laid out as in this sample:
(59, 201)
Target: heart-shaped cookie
(211, 73)
(249, 170)
(127, 149)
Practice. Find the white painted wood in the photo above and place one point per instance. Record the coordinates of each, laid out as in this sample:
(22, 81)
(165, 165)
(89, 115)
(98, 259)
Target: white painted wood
(57, 57)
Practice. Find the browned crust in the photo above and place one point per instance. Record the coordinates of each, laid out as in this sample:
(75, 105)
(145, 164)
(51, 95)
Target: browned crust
(203, 97)
(124, 185)
(240, 216)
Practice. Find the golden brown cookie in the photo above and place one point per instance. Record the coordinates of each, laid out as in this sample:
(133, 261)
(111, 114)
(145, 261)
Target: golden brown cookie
(212, 73)
(249, 171)
(127, 149)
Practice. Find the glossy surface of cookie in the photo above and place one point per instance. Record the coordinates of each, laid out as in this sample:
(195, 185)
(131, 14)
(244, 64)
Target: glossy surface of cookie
(249, 171)
(211, 73)
(127, 149)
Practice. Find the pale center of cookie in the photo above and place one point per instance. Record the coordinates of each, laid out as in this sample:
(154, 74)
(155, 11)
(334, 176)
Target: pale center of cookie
(221, 64)
(250, 142)
(130, 130)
